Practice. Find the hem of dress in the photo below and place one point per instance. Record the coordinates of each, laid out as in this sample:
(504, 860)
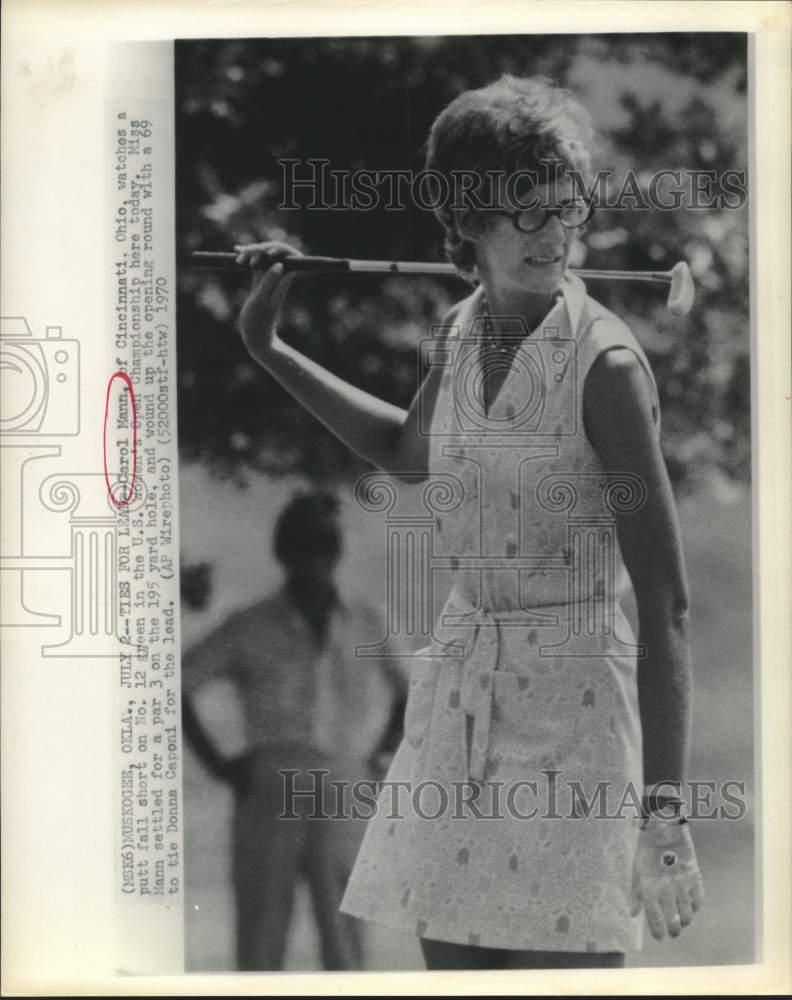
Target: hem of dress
(408, 926)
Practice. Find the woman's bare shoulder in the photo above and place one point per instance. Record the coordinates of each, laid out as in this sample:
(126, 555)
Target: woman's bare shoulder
(618, 401)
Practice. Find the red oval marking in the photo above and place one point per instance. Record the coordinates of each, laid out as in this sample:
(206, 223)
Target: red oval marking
(130, 389)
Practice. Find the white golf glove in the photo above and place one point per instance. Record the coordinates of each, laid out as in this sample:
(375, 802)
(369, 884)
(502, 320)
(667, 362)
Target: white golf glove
(666, 878)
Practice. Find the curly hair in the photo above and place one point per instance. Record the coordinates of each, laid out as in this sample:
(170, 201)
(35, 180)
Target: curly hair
(513, 124)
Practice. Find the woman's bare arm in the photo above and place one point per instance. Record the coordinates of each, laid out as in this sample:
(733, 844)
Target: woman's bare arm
(618, 418)
(385, 435)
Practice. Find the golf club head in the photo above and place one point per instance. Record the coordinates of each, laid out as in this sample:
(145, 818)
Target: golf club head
(682, 291)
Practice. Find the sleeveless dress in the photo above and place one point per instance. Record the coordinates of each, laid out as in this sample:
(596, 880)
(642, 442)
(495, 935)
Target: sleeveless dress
(515, 822)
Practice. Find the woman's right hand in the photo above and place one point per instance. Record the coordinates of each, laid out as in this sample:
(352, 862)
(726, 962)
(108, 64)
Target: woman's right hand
(666, 878)
(259, 316)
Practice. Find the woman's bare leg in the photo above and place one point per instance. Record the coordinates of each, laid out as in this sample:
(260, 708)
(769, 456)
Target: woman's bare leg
(565, 960)
(441, 955)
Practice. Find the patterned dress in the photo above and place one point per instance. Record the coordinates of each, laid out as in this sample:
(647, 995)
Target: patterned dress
(521, 762)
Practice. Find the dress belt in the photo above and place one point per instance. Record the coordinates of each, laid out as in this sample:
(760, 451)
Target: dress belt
(480, 670)
(478, 683)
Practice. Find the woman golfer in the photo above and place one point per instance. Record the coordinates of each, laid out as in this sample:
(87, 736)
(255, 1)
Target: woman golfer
(532, 809)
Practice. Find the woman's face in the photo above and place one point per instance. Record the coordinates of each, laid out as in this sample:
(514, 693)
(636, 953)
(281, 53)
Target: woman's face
(510, 260)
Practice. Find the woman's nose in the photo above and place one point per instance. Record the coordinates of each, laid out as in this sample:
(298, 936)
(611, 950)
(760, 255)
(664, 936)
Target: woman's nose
(554, 228)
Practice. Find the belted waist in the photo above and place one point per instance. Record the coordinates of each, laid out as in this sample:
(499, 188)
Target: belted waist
(479, 633)
(561, 611)
(481, 661)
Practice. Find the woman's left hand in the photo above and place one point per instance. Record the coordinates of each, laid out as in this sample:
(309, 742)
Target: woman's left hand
(666, 878)
(260, 312)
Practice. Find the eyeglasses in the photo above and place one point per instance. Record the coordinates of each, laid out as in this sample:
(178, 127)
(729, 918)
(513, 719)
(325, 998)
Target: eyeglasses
(571, 215)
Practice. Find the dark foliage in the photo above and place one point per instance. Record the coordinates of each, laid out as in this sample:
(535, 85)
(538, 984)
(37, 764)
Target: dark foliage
(368, 103)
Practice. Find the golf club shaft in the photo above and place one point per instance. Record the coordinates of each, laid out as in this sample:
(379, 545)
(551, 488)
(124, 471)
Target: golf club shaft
(316, 265)
(661, 276)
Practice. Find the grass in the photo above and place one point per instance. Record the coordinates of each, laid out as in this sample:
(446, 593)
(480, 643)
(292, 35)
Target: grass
(228, 527)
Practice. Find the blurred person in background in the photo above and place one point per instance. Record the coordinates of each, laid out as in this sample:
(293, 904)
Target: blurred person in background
(309, 704)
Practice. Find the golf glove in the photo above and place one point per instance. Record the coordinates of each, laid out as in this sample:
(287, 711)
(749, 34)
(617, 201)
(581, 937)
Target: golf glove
(666, 878)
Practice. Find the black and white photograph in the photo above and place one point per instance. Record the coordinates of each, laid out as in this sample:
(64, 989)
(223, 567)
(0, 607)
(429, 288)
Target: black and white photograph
(464, 414)
(394, 444)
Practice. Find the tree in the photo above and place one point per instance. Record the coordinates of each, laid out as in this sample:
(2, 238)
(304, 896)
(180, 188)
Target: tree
(367, 103)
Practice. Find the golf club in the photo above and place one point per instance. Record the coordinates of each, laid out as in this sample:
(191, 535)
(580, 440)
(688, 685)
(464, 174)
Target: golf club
(680, 295)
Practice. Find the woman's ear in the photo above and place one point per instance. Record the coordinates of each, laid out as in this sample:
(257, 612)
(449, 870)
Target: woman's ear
(470, 224)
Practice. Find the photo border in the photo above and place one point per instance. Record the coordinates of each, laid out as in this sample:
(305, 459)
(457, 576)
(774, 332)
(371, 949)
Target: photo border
(48, 30)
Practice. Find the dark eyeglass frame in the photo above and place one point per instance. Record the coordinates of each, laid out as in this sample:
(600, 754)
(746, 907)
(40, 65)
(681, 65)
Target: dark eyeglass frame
(548, 214)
